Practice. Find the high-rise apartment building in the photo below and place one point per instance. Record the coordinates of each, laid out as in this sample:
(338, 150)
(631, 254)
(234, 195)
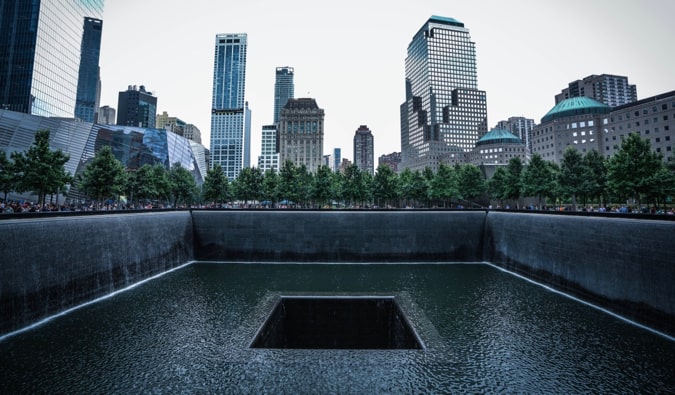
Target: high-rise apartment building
(284, 89)
(269, 149)
(301, 133)
(521, 127)
(89, 79)
(107, 115)
(230, 115)
(443, 110)
(613, 90)
(40, 49)
(364, 156)
(137, 107)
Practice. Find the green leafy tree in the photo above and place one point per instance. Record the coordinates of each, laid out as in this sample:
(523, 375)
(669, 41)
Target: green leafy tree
(7, 175)
(216, 187)
(631, 169)
(162, 181)
(422, 181)
(304, 184)
(405, 187)
(594, 177)
(444, 184)
(538, 178)
(355, 186)
(288, 182)
(150, 183)
(104, 177)
(513, 187)
(249, 184)
(497, 185)
(470, 182)
(270, 187)
(385, 184)
(662, 186)
(183, 185)
(321, 185)
(571, 174)
(41, 170)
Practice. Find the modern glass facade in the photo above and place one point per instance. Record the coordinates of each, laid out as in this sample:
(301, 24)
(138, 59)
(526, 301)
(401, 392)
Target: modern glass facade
(444, 110)
(133, 146)
(40, 48)
(284, 89)
(230, 116)
(89, 82)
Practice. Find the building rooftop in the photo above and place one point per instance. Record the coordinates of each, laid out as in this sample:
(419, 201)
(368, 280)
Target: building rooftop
(496, 136)
(446, 20)
(580, 105)
(301, 103)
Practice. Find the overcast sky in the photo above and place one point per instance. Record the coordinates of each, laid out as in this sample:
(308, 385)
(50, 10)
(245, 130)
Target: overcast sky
(349, 55)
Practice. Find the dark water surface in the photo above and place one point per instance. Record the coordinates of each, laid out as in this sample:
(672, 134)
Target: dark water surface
(189, 331)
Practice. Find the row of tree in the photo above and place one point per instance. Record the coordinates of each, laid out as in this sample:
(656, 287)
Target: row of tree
(634, 172)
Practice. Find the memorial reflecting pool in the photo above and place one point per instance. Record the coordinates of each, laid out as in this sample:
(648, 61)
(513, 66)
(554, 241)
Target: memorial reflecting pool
(190, 331)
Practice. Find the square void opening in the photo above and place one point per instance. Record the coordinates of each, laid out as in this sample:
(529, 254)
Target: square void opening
(337, 323)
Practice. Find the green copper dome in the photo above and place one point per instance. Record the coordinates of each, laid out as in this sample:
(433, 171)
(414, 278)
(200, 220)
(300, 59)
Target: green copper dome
(499, 136)
(576, 106)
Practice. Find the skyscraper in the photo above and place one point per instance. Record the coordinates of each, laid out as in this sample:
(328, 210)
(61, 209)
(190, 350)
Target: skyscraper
(89, 79)
(230, 115)
(613, 90)
(137, 107)
(269, 154)
(284, 89)
(301, 133)
(521, 127)
(443, 110)
(364, 157)
(40, 48)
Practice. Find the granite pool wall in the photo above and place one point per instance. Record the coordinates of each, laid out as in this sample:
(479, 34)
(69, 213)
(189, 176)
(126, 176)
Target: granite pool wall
(51, 263)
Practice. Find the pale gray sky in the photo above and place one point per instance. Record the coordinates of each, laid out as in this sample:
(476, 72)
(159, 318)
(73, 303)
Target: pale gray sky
(349, 55)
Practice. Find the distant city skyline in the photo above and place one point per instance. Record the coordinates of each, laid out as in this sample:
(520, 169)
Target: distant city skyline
(526, 52)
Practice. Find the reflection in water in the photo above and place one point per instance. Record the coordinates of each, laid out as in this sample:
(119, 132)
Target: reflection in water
(189, 331)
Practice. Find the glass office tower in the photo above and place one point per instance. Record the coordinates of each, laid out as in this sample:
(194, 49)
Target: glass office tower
(40, 44)
(284, 89)
(89, 79)
(230, 116)
(444, 112)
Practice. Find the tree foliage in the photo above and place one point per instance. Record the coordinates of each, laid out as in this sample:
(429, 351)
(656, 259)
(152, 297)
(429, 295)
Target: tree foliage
(216, 187)
(41, 170)
(631, 169)
(182, 185)
(104, 177)
(538, 178)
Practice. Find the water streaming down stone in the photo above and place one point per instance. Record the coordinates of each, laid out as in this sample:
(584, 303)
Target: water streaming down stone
(91, 256)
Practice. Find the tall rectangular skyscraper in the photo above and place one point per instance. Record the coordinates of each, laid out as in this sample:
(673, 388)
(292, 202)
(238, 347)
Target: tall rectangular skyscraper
(89, 80)
(444, 112)
(40, 48)
(364, 157)
(230, 115)
(284, 89)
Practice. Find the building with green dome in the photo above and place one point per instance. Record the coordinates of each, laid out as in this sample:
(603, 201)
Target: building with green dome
(588, 124)
(577, 121)
(497, 147)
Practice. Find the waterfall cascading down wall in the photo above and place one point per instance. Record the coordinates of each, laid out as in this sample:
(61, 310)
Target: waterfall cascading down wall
(50, 264)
